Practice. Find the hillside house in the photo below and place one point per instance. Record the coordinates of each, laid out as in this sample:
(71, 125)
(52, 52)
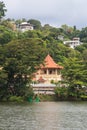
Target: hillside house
(24, 26)
(73, 43)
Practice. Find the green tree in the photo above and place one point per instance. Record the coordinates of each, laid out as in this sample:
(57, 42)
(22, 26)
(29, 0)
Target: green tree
(61, 92)
(31, 34)
(75, 74)
(47, 27)
(83, 34)
(2, 10)
(84, 55)
(35, 23)
(6, 35)
(9, 24)
(21, 59)
(3, 83)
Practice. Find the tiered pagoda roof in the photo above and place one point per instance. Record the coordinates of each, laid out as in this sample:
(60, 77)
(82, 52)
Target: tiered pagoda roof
(50, 63)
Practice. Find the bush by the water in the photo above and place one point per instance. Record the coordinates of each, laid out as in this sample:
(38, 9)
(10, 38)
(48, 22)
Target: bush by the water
(16, 99)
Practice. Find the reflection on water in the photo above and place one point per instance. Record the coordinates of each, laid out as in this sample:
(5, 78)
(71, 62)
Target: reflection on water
(44, 116)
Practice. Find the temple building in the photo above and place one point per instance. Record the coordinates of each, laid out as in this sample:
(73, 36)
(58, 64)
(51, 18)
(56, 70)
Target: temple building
(45, 75)
(49, 72)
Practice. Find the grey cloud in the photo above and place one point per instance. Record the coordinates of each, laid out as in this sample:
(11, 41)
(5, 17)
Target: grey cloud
(55, 12)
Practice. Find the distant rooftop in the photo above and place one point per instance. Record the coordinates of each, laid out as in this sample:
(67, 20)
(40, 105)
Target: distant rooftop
(25, 23)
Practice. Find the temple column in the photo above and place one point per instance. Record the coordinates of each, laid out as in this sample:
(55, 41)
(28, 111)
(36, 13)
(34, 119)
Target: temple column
(47, 72)
(56, 72)
(39, 72)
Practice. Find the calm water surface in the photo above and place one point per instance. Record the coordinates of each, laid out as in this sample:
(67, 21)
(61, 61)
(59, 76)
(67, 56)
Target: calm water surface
(44, 116)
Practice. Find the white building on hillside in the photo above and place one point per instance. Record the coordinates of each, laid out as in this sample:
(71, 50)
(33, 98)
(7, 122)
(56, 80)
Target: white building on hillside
(73, 43)
(25, 27)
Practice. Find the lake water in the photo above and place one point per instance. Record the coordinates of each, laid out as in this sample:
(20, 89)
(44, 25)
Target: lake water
(44, 116)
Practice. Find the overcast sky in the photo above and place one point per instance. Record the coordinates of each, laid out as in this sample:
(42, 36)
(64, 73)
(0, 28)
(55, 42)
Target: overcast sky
(53, 12)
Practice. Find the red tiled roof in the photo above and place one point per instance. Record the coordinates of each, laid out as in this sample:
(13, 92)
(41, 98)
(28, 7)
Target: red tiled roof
(50, 63)
(41, 79)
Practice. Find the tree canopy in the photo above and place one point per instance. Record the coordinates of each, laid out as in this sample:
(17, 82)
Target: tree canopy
(20, 60)
(35, 23)
(2, 9)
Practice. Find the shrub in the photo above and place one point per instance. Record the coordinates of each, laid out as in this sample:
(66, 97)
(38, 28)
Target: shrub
(16, 99)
